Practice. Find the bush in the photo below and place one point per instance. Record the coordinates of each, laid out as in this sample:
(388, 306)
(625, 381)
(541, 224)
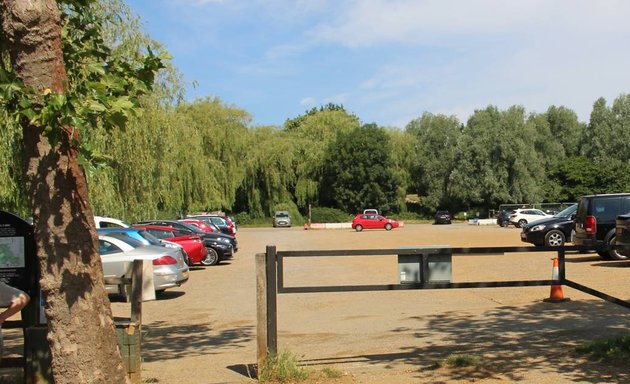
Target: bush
(329, 215)
(282, 368)
(615, 349)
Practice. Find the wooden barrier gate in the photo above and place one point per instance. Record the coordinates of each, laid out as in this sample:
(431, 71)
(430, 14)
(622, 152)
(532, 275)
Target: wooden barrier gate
(270, 280)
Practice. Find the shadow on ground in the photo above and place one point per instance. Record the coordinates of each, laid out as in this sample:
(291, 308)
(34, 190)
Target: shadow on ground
(161, 341)
(511, 342)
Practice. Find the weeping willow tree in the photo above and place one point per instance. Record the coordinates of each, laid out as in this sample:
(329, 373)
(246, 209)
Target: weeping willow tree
(11, 191)
(312, 134)
(269, 171)
(222, 132)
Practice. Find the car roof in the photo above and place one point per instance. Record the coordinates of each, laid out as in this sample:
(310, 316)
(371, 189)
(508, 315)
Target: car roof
(159, 227)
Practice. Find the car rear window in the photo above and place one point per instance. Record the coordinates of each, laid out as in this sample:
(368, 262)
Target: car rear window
(606, 209)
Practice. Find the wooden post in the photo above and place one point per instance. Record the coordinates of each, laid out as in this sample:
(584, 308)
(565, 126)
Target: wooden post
(261, 310)
(266, 313)
(136, 292)
(272, 316)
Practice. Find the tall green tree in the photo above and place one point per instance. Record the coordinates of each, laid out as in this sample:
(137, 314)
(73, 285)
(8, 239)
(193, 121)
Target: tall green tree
(359, 172)
(313, 132)
(497, 160)
(57, 89)
(436, 138)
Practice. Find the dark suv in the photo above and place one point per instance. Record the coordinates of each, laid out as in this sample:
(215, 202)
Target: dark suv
(595, 222)
(554, 231)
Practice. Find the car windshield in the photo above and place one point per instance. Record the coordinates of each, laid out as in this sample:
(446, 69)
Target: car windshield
(567, 212)
(282, 214)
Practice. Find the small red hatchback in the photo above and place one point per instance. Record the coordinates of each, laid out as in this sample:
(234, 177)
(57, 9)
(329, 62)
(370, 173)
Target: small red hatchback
(371, 221)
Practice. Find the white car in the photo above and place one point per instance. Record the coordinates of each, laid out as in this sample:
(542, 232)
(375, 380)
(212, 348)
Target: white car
(109, 222)
(521, 217)
(117, 255)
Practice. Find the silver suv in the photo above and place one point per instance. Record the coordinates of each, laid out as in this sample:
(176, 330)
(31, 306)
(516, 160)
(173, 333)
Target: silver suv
(281, 219)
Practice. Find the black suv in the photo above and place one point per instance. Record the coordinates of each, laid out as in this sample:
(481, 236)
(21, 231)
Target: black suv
(595, 222)
(554, 231)
(442, 217)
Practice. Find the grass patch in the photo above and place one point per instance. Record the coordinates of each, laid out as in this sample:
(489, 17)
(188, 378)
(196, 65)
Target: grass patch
(612, 350)
(461, 361)
(331, 373)
(282, 368)
(285, 368)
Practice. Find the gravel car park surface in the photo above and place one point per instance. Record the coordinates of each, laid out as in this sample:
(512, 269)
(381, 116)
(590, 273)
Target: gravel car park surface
(205, 331)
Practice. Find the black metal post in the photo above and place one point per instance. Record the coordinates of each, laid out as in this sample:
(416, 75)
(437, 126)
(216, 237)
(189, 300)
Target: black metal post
(561, 266)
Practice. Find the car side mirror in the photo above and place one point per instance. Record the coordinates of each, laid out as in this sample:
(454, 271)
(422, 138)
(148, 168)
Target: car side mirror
(572, 217)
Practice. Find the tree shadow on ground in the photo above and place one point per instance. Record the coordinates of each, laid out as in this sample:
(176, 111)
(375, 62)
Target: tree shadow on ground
(161, 341)
(511, 341)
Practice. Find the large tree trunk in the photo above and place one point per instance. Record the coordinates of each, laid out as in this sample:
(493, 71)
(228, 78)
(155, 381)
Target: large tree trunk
(81, 333)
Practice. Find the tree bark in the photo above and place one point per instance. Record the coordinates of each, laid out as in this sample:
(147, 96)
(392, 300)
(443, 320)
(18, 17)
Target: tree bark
(81, 332)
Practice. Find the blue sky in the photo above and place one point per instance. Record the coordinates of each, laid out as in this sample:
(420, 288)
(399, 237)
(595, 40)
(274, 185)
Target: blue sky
(389, 61)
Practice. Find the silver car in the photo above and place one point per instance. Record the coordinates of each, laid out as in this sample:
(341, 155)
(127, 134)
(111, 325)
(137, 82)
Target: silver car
(117, 255)
(281, 219)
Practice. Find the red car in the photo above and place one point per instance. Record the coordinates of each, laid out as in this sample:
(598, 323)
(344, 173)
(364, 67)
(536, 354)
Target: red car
(201, 225)
(371, 221)
(193, 245)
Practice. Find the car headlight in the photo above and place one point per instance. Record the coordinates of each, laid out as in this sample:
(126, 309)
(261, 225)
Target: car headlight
(538, 227)
(225, 240)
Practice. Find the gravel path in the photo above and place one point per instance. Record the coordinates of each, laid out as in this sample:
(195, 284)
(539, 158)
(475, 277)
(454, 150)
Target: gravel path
(205, 331)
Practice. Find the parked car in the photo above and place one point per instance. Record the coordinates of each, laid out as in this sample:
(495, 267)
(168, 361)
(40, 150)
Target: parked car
(117, 255)
(109, 222)
(221, 222)
(622, 235)
(554, 231)
(595, 222)
(224, 245)
(363, 221)
(503, 218)
(281, 219)
(442, 217)
(204, 226)
(520, 217)
(143, 236)
(191, 245)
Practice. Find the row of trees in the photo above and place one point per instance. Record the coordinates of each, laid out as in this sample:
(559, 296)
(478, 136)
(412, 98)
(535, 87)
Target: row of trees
(178, 156)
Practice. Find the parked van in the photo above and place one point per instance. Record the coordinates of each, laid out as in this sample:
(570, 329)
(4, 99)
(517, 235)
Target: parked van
(595, 222)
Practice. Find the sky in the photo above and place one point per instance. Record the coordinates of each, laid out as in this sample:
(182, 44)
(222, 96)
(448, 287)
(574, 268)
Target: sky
(390, 61)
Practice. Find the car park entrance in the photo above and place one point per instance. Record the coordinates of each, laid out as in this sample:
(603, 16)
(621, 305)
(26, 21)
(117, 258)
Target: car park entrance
(423, 263)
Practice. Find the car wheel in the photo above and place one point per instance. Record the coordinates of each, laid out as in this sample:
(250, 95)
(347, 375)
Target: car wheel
(614, 255)
(522, 223)
(359, 228)
(388, 227)
(604, 255)
(554, 238)
(212, 257)
(504, 224)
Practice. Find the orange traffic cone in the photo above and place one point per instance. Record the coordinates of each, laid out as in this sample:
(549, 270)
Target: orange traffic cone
(556, 295)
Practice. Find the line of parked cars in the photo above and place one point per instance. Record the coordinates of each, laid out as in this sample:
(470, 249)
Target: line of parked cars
(601, 221)
(172, 245)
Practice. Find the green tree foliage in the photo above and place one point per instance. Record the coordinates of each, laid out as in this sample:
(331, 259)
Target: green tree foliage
(610, 130)
(436, 138)
(359, 172)
(497, 160)
(313, 133)
(579, 176)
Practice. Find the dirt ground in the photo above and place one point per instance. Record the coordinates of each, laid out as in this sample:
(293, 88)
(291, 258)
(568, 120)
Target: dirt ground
(205, 331)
